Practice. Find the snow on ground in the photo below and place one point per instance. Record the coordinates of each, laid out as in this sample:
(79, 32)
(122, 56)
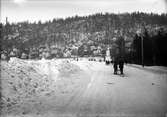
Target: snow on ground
(43, 88)
(158, 69)
(25, 80)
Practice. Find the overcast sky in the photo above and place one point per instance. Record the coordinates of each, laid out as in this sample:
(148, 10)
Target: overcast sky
(34, 10)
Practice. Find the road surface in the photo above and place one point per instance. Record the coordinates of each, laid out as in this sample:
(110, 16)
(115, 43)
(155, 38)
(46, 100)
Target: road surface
(139, 93)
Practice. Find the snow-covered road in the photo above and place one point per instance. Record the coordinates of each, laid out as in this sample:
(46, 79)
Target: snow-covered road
(100, 93)
(138, 93)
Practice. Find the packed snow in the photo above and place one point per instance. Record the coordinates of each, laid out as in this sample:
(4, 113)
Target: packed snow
(24, 80)
(49, 88)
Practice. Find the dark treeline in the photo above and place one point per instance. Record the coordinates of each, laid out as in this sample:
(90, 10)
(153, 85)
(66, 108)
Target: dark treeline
(154, 48)
(88, 35)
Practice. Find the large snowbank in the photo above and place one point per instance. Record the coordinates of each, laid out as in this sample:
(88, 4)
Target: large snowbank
(23, 79)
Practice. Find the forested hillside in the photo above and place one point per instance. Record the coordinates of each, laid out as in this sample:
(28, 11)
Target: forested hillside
(89, 36)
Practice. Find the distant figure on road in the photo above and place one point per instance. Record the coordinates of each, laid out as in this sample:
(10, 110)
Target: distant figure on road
(115, 66)
(108, 57)
(121, 64)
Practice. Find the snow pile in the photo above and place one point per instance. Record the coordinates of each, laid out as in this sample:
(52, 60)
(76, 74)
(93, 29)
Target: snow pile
(67, 67)
(23, 80)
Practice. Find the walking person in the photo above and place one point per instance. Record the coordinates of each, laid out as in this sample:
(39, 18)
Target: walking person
(115, 66)
(108, 57)
(121, 64)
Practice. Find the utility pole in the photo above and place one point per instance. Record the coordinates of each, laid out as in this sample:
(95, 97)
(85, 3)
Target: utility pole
(6, 26)
(142, 50)
(142, 47)
(142, 44)
(6, 20)
(6, 32)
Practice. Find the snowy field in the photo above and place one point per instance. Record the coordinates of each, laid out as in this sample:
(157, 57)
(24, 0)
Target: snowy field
(69, 88)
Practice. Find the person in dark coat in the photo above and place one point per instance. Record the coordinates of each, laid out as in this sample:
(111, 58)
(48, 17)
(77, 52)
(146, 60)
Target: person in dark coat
(121, 64)
(115, 66)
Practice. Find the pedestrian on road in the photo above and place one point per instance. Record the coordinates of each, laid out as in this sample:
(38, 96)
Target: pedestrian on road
(121, 64)
(115, 66)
